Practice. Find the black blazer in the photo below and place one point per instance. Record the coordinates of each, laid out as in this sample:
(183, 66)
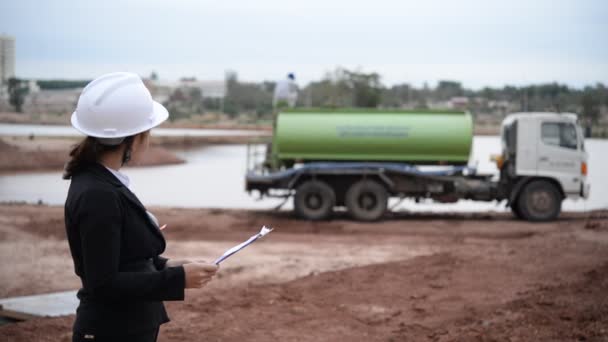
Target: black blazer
(116, 249)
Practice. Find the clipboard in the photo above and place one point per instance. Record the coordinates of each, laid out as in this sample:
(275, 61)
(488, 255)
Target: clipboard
(263, 232)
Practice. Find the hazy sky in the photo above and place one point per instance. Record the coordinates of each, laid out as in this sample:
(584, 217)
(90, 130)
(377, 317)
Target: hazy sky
(479, 42)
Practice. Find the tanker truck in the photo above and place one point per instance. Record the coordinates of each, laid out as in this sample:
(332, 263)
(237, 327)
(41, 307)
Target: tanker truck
(357, 159)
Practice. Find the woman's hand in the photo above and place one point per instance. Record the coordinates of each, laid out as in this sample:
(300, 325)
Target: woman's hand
(198, 274)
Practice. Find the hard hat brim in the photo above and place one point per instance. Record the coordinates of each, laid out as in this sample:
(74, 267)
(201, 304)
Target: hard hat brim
(159, 115)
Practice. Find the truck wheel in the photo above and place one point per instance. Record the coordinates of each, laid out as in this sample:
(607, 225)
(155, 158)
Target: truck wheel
(366, 200)
(314, 200)
(515, 210)
(539, 201)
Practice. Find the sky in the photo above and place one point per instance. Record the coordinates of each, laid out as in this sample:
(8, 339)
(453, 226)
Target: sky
(478, 42)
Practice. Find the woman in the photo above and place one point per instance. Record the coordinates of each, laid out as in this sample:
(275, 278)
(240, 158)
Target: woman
(115, 242)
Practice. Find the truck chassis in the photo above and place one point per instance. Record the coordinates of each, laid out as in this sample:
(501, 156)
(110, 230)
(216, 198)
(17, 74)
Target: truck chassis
(364, 188)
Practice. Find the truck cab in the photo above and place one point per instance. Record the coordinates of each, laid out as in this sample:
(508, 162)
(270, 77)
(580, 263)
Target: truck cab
(543, 161)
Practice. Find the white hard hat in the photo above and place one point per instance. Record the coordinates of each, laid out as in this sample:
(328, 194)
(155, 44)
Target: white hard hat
(117, 105)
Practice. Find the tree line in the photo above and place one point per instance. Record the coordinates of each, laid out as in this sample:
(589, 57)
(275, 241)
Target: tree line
(343, 88)
(354, 89)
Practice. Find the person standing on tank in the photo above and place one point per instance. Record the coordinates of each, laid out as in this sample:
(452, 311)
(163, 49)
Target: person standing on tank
(285, 96)
(285, 92)
(116, 244)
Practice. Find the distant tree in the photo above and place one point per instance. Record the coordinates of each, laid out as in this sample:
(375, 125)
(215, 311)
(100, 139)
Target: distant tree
(590, 104)
(177, 111)
(366, 88)
(397, 96)
(251, 98)
(177, 96)
(318, 94)
(196, 100)
(154, 76)
(61, 84)
(421, 104)
(344, 88)
(447, 89)
(550, 96)
(210, 103)
(602, 93)
(488, 93)
(230, 101)
(196, 94)
(17, 89)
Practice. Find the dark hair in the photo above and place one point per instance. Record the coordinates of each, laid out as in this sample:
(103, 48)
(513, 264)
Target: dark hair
(90, 150)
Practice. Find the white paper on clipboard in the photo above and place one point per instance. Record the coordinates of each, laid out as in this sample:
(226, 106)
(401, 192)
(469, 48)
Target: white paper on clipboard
(265, 230)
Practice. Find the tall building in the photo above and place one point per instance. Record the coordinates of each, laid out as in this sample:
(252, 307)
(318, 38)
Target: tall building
(7, 58)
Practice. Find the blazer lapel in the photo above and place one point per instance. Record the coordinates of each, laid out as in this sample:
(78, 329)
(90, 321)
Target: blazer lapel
(106, 175)
(131, 196)
(133, 199)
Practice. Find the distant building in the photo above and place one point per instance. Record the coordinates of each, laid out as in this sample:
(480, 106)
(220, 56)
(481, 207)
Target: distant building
(459, 102)
(51, 100)
(7, 58)
(161, 90)
(215, 89)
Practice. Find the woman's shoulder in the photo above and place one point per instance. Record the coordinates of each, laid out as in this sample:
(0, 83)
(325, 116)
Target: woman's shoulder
(92, 195)
(93, 175)
(87, 185)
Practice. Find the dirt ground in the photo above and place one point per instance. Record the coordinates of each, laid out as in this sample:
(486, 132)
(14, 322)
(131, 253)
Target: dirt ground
(410, 277)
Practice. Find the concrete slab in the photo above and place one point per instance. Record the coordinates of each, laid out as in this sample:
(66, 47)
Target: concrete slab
(45, 305)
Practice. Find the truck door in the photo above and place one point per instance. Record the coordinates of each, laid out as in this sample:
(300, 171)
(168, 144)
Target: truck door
(558, 154)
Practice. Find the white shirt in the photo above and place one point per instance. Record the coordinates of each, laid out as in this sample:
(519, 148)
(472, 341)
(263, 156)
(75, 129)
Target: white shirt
(286, 90)
(124, 179)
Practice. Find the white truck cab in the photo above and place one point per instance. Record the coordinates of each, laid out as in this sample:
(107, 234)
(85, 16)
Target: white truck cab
(543, 162)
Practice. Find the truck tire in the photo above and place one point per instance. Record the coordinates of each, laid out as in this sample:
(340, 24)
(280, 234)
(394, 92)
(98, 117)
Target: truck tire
(314, 200)
(515, 211)
(366, 200)
(539, 201)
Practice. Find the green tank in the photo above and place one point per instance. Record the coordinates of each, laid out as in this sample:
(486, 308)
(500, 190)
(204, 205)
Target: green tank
(418, 137)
